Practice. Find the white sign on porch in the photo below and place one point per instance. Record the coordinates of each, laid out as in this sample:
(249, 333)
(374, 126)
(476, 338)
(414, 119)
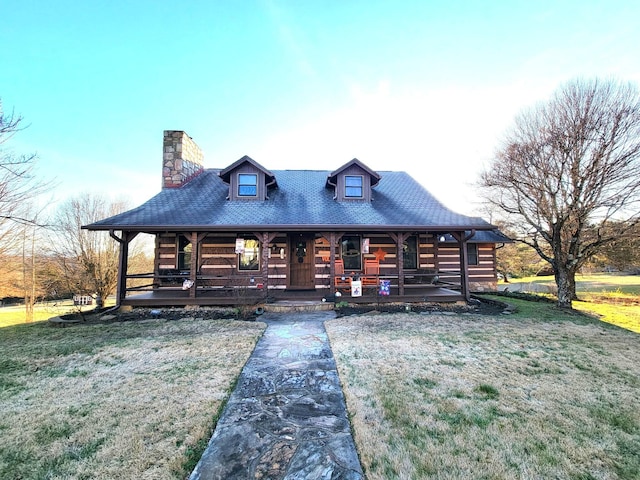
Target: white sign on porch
(239, 245)
(356, 288)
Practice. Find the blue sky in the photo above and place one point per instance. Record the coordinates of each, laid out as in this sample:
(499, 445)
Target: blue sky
(427, 87)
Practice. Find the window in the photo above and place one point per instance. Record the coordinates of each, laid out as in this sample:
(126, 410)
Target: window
(184, 253)
(351, 253)
(353, 186)
(247, 185)
(472, 253)
(410, 252)
(249, 258)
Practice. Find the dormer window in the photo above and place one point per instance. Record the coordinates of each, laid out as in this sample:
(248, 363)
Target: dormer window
(248, 180)
(353, 186)
(247, 185)
(353, 182)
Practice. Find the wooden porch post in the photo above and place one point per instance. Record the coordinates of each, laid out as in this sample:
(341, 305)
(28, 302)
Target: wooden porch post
(333, 238)
(193, 267)
(156, 261)
(123, 262)
(400, 255)
(332, 262)
(265, 239)
(436, 251)
(399, 239)
(464, 262)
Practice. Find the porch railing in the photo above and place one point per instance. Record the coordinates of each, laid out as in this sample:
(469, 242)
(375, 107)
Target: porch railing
(231, 285)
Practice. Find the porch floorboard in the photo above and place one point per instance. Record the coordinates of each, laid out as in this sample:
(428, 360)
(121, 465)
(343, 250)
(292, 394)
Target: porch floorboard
(162, 298)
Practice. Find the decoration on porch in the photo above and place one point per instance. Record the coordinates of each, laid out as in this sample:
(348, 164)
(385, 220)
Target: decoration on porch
(380, 254)
(239, 245)
(187, 284)
(385, 288)
(356, 288)
(301, 251)
(365, 245)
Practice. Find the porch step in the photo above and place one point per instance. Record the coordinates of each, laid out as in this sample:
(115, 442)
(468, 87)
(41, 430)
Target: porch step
(284, 306)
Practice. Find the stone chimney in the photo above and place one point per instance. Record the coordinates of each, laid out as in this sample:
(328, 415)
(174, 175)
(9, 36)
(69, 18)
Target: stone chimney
(181, 159)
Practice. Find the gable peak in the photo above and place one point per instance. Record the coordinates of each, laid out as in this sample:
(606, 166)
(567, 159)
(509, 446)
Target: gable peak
(375, 178)
(225, 173)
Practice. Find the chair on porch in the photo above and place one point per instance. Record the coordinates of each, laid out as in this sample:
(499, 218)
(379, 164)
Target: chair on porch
(371, 273)
(341, 281)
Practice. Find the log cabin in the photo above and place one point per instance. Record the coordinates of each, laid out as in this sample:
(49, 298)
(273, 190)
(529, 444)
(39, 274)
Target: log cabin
(246, 235)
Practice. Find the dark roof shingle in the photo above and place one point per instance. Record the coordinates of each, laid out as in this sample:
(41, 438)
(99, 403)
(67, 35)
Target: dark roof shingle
(300, 199)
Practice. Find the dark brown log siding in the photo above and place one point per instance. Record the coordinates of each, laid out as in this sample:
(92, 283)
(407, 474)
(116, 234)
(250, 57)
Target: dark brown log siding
(218, 262)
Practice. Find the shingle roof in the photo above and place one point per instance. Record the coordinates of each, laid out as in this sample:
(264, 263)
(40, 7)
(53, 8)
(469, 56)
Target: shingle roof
(301, 199)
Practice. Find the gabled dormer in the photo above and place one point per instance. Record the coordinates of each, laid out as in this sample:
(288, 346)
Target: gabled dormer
(248, 180)
(353, 181)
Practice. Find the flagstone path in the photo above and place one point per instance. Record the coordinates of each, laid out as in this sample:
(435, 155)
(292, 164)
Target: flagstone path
(286, 419)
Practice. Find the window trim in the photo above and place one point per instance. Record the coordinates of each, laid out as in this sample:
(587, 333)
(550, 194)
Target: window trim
(182, 264)
(416, 253)
(346, 186)
(241, 184)
(472, 252)
(255, 268)
(358, 255)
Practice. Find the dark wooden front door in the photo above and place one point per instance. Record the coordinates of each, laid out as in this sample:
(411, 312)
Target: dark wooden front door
(301, 261)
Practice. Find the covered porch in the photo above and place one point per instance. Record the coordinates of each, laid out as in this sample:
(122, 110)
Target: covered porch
(240, 268)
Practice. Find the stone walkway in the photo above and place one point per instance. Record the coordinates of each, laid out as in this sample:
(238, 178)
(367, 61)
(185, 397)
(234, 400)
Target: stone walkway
(286, 419)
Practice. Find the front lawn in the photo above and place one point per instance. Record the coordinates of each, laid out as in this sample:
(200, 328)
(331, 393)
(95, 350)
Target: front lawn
(539, 394)
(123, 400)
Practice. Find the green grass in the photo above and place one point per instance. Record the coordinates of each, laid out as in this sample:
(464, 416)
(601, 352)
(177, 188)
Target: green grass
(591, 283)
(543, 393)
(115, 400)
(15, 314)
(614, 298)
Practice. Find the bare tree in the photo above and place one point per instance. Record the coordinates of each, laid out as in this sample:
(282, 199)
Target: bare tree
(621, 254)
(518, 260)
(89, 260)
(19, 186)
(29, 271)
(567, 168)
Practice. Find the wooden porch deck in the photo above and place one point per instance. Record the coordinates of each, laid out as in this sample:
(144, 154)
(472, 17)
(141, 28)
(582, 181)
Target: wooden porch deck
(177, 297)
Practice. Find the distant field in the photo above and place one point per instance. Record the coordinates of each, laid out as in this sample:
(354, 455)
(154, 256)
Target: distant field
(593, 284)
(615, 298)
(15, 315)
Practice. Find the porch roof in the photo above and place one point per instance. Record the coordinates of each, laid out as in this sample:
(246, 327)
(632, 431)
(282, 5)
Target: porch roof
(481, 236)
(300, 202)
